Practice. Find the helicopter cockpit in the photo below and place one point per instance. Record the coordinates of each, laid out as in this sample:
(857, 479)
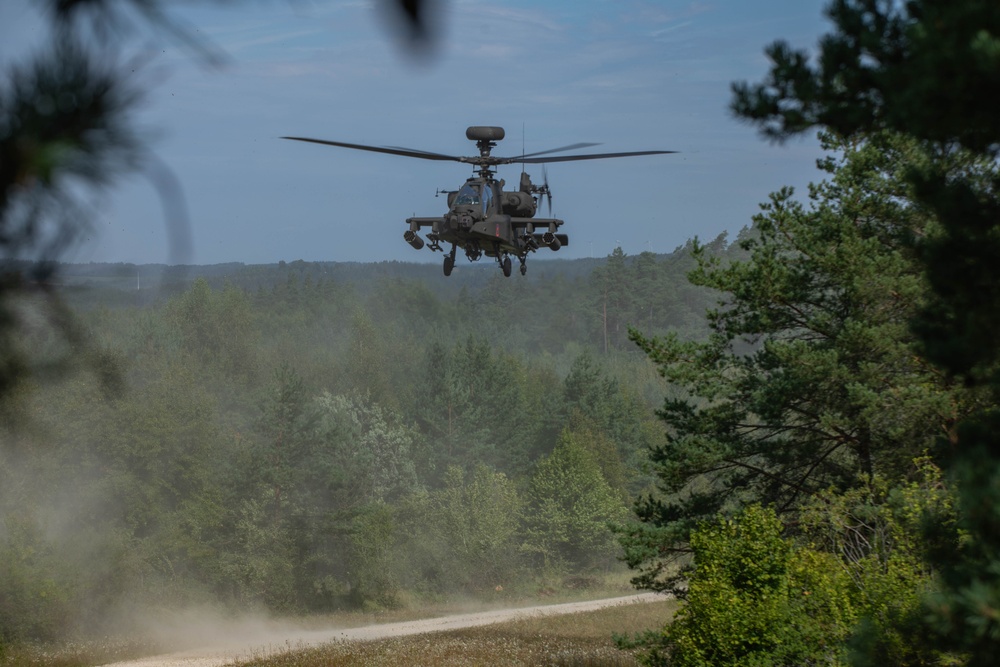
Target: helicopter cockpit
(467, 196)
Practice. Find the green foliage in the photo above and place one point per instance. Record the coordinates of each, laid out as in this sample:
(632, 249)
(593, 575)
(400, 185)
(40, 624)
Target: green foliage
(50, 156)
(464, 537)
(646, 293)
(288, 487)
(254, 564)
(595, 401)
(371, 448)
(811, 377)
(603, 451)
(925, 68)
(480, 519)
(849, 587)
(369, 360)
(217, 328)
(754, 600)
(571, 507)
(372, 573)
(36, 593)
(472, 394)
(928, 69)
(320, 466)
(879, 537)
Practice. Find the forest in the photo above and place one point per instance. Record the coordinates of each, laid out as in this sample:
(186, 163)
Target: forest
(795, 432)
(302, 437)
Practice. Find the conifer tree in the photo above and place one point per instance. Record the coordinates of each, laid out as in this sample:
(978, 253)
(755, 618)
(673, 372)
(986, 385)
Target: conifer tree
(811, 378)
(929, 69)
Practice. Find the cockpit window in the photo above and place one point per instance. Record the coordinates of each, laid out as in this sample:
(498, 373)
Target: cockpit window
(487, 199)
(467, 196)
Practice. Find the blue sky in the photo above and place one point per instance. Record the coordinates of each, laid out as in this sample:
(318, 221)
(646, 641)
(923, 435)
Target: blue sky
(632, 75)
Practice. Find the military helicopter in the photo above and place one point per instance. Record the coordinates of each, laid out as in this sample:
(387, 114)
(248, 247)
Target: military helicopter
(482, 218)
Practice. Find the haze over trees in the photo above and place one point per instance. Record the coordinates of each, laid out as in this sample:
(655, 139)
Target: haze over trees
(295, 442)
(290, 438)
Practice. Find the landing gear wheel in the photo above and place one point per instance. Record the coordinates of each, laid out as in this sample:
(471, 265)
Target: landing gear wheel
(524, 268)
(449, 264)
(505, 265)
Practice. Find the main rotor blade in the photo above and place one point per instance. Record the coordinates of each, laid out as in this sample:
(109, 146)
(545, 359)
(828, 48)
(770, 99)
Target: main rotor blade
(571, 158)
(571, 147)
(413, 152)
(381, 149)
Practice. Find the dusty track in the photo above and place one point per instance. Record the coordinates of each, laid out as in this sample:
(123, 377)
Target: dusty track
(267, 642)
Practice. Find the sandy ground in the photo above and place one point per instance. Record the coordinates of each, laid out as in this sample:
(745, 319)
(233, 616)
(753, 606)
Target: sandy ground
(229, 647)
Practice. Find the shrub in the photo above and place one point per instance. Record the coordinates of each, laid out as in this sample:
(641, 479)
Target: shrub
(854, 583)
(754, 600)
(373, 559)
(881, 541)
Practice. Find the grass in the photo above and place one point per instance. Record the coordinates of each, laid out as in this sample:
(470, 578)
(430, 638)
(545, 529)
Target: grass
(571, 640)
(76, 654)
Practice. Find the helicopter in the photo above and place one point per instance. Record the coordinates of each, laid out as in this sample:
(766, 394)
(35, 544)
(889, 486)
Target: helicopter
(483, 218)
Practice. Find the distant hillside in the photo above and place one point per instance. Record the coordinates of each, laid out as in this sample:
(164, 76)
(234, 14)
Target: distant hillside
(147, 283)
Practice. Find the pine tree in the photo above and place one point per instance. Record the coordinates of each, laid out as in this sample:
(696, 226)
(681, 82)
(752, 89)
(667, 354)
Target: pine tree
(929, 69)
(811, 378)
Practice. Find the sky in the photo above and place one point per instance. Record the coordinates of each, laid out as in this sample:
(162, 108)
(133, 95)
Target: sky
(629, 74)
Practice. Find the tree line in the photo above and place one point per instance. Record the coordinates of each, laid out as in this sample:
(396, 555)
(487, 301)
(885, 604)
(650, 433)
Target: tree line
(278, 438)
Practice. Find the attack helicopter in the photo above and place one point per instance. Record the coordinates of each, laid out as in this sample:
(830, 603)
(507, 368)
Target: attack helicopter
(483, 218)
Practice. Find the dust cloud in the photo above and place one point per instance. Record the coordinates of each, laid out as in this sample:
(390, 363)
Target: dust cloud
(218, 641)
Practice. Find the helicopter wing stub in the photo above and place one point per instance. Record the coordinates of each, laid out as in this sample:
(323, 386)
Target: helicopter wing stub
(420, 223)
(537, 223)
(573, 158)
(542, 231)
(406, 152)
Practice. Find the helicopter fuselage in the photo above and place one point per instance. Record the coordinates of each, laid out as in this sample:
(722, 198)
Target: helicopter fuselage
(483, 219)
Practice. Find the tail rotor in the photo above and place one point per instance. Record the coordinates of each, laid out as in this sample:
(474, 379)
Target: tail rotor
(546, 190)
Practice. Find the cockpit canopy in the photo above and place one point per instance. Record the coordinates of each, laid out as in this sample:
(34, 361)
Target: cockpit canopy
(469, 195)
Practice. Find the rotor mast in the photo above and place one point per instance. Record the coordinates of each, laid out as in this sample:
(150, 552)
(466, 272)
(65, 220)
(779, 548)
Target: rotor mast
(486, 138)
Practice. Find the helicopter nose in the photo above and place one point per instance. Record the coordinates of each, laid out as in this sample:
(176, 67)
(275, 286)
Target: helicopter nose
(461, 220)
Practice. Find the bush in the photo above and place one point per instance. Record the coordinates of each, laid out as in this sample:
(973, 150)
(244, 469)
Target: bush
(852, 587)
(880, 536)
(754, 600)
(570, 508)
(35, 590)
(373, 559)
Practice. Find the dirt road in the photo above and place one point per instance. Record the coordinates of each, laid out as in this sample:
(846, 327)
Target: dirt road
(232, 646)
